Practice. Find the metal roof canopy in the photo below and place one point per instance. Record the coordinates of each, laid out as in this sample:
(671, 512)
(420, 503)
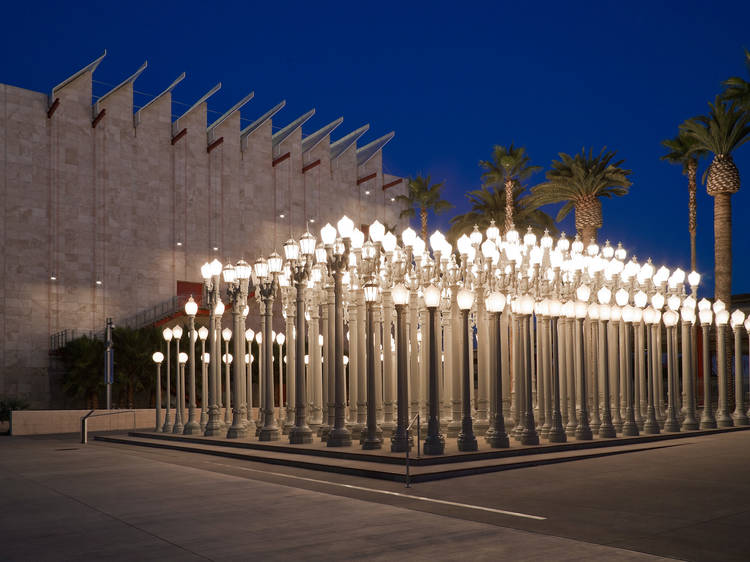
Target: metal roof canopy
(369, 150)
(247, 131)
(91, 67)
(129, 80)
(311, 141)
(176, 123)
(220, 120)
(137, 116)
(281, 136)
(340, 146)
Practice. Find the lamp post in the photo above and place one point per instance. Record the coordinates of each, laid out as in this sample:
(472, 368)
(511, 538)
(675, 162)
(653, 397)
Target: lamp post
(739, 416)
(218, 314)
(583, 430)
(167, 335)
(182, 359)
(722, 318)
(466, 439)
(226, 335)
(671, 424)
(280, 339)
(607, 428)
(211, 272)
(192, 427)
(202, 335)
(338, 260)
(496, 436)
(299, 259)
(180, 397)
(249, 421)
(266, 273)
(556, 432)
(688, 319)
(630, 315)
(400, 441)
(158, 357)
(371, 441)
(237, 280)
(529, 435)
(435, 442)
(708, 421)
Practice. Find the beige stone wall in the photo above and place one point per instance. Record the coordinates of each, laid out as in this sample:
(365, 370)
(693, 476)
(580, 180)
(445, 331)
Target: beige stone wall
(122, 205)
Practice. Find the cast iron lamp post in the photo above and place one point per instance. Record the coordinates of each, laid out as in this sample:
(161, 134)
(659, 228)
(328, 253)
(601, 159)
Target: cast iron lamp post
(739, 416)
(202, 335)
(299, 258)
(722, 318)
(181, 359)
(651, 424)
(435, 442)
(400, 441)
(180, 397)
(708, 421)
(158, 357)
(266, 273)
(237, 282)
(211, 272)
(192, 427)
(371, 441)
(631, 316)
(249, 421)
(671, 424)
(466, 439)
(496, 436)
(167, 335)
(556, 430)
(607, 428)
(226, 335)
(583, 430)
(687, 314)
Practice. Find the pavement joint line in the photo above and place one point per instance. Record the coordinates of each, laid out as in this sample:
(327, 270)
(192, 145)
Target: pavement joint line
(389, 493)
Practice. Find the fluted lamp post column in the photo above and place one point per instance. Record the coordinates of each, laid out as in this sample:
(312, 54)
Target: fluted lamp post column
(192, 427)
(211, 272)
(739, 416)
(607, 428)
(299, 258)
(226, 335)
(435, 442)
(556, 429)
(631, 316)
(237, 282)
(705, 315)
(671, 424)
(158, 357)
(687, 314)
(467, 441)
(167, 335)
(180, 386)
(371, 441)
(181, 359)
(496, 436)
(652, 317)
(721, 319)
(202, 335)
(400, 441)
(266, 272)
(583, 430)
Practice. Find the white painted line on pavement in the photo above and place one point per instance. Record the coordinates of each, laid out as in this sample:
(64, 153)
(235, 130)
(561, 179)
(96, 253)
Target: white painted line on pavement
(389, 493)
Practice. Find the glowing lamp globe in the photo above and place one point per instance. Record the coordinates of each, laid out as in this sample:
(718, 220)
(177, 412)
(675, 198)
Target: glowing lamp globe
(400, 295)
(688, 314)
(280, 339)
(526, 304)
(694, 278)
(206, 271)
(722, 317)
(670, 318)
(495, 302)
(604, 312)
(705, 315)
(183, 358)
(345, 227)
(737, 318)
(555, 307)
(377, 231)
(226, 334)
(206, 358)
(328, 234)
(622, 297)
(465, 299)
(637, 314)
(594, 311)
(258, 338)
(616, 313)
(627, 313)
(581, 309)
(158, 357)
(704, 304)
(408, 236)
(219, 309)
(249, 334)
(307, 244)
(640, 299)
(389, 242)
(431, 296)
(719, 306)
(673, 302)
(583, 293)
(215, 268)
(203, 333)
(657, 301)
(191, 307)
(177, 331)
(229, 273)
(227, 358)
(167, 334)
(371, 292)
(493, 232)
(463, 244)
(261, 268)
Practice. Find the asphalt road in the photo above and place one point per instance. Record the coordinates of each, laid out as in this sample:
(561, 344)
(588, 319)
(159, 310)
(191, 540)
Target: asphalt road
(63, 501)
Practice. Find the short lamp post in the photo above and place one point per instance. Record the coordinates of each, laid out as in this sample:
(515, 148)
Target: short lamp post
(182, 359)
(496, 436)
(739, 416)
(158, 357)
(708, 421)
(167, 335)
(180, 386)
(400, 442)
(631, 316)
(583, 430)
(202, 335)
(226, 335)
(435, 442)
(529, 435)
(211, 273)
(249, 421)
(556, 432)
(607, 428)
(722, 412)
(671, 424)
(280, 339)
(371, 441)
(192, 427)
(466, 439)
(687, 314)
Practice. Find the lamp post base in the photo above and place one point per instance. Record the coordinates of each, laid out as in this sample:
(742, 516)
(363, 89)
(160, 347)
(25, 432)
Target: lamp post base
(630, 429)
(236, 432)
(467, 442)
(740, 418)
(497, 439)
(434, 445)
(192, 428)
(339, 438)
(454, 427)
(271, 433)
(371, 444)
(723, 420)
(400, 442)
(300, 435)
(689, 424)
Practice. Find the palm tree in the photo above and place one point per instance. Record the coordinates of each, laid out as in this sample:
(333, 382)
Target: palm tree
(723, 130)
(133, 363)
(488, 204)
(84, 367)
(508, 167)
(738, 89)
(683, 150)
(581, 181)
(425, 196)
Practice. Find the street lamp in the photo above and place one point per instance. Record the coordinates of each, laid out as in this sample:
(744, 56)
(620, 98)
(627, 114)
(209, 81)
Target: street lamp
(687, 314)
(722, 318)
(583, 430)
(630, 316)
(739, 415)
(182, 359)
(202, 335)
(671, 424)
(496, 436)
(435, 442)
(400, 441)
(372, 440)
(167, 335)
(249, 421)
(237, 281)
(466, 439)
(226, 335)
(192, 427)
(211, 273)
(299, 259)
(180, 396)
(158, 357)
(708, 421)
(604, 295)
(280, 339)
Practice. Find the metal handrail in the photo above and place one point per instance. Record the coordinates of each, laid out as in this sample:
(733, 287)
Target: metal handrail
(416, 418)
(91, 414)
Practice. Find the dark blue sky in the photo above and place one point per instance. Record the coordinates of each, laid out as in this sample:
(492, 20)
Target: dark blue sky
(452, 79)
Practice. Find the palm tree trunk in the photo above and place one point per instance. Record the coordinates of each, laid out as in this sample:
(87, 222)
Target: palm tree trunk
(508, 204)
(423, 216)
(692, 210)
(588, 233)
(723, 247)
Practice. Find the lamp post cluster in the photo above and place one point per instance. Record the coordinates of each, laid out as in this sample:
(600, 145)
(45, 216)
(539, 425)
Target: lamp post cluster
(513, 337)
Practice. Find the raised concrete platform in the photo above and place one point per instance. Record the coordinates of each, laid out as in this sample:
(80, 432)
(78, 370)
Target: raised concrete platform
(382, 464)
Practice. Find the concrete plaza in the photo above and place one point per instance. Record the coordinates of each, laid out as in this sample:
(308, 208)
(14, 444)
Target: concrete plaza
(63, 501)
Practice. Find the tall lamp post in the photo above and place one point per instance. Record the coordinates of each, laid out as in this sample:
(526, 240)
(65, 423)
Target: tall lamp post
(202, 335)
(604, 296)
(688, 319)
(158, 357)
(211, 272)
(400, 441)
(435, 442)
(708, 421)
(496, 436)
(299, 258)
(466, 439)
(739, 416)
(630, 316)
(192, 427)
(671, 424)
(371, 441)
(266, 272)
(556, 430)
(249, 421)
(180, 397)
(529, 435)
(280, 339)
(237, 280)
(722, 319)
(181, 359)
(652, 317)
(226, 335)
(167, 335)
